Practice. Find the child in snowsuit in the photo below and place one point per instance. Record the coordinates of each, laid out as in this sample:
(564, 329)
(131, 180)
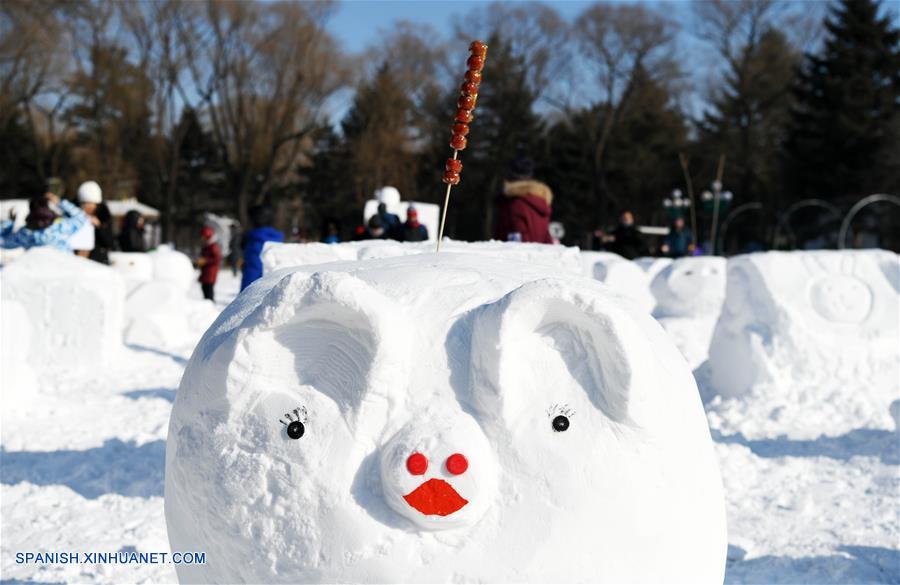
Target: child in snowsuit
(255, 239)
(210, 259)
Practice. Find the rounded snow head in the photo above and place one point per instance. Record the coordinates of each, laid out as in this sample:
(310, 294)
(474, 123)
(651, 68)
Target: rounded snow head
(464, 418)
(89, 192)
(388, 195)
(690, 287)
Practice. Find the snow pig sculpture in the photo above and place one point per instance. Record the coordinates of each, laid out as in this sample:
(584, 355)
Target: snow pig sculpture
(440, 418)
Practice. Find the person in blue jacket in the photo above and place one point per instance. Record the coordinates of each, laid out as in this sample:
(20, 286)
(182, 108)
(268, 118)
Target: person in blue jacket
(261, 217)
(42, 226)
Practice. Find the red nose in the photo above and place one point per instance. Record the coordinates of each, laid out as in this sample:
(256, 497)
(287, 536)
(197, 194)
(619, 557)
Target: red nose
(417, 464)
(457, 464)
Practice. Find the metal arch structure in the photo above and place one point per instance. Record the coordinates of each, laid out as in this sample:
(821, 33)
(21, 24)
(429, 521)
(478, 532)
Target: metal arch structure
(720, 245)
(782, 220)
(857, 207)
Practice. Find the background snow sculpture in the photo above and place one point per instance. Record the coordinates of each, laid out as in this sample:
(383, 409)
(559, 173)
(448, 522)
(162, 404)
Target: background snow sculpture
(816, 323)
(75, 307)
(135, 267)
(689, 293)
(173, 266)
(625, 277)
(405, 419)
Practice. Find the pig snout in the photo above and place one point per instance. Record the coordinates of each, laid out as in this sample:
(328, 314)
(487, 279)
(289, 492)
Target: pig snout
(439, 472)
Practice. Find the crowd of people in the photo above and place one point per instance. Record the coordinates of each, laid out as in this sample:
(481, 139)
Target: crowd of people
(523, 211)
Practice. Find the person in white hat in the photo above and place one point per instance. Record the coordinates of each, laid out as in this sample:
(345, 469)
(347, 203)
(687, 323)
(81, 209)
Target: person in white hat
(89, 197)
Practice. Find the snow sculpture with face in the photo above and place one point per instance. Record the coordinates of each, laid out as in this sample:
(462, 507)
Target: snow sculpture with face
(440, 418)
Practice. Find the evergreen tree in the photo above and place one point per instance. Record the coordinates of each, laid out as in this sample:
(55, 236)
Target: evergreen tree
(749, 118)
(844, 130)
(377, 132)
(640, 163)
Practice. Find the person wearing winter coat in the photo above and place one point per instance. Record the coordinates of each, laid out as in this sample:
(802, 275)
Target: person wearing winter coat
(42, 227)
(261, 217)
(85, 240)
(625, 240)
(390, 221)
(411, 230)
(678, 242)
(209, 261)
(131, 238)
(104, 241)
(523, 210)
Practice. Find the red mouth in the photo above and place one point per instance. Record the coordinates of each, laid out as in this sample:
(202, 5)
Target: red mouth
(435, 497)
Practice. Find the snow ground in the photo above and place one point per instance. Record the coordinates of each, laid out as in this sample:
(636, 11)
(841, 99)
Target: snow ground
(82, 465)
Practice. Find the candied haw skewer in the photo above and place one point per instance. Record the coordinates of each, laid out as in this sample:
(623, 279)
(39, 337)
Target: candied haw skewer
(468, 97)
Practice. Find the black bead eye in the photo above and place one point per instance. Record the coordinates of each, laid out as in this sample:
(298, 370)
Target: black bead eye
(560, 423)
(296, 429)
(294, 422)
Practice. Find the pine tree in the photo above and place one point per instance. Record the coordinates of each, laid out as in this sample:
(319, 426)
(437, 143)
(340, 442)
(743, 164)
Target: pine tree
(749, 118)
(844, 129)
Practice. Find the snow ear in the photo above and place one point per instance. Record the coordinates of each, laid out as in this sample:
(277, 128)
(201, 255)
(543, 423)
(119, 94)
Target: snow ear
(330, 332)
(519, 341)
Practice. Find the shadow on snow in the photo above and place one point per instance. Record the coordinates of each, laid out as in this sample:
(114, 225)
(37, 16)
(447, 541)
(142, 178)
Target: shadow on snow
(855, 564)
(857, 443)
(115, 468)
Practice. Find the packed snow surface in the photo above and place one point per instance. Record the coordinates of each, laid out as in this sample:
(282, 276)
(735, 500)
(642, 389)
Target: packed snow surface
(811, 482)
(276, 255)
(442, 357)
(622, 276)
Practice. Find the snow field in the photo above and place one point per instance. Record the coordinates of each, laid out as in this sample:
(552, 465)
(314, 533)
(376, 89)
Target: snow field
(810, 470)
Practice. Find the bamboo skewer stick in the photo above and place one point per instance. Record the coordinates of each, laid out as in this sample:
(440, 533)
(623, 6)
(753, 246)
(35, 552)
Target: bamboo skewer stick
(444, 211)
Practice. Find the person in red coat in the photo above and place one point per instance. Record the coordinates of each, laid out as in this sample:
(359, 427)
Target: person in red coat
(523, 210)
(210, 259)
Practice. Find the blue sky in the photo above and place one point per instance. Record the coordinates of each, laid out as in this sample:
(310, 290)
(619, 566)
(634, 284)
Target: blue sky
(359, 23)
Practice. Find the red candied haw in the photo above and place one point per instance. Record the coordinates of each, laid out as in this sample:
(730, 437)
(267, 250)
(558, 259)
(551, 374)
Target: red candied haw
(473, 76)
(460, 128)
(475, 63)
(464, 116)
(468, 88)
(454, 165)
(458, 142)
(417, 464)
(466, 102)
(457, 464)
(478, 48)
(451, 178)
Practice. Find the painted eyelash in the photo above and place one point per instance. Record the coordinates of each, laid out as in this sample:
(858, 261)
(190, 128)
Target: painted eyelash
(563, 409)
(299, 414)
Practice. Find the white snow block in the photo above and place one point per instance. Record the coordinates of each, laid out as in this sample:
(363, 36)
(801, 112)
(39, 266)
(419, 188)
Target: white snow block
(172, 266)
(75, 307)
(622, 276)
(135, 267)
(690, 287)
(276, 256)
(816, 318)
(159, 315)
(441, 417)
(17, 378)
